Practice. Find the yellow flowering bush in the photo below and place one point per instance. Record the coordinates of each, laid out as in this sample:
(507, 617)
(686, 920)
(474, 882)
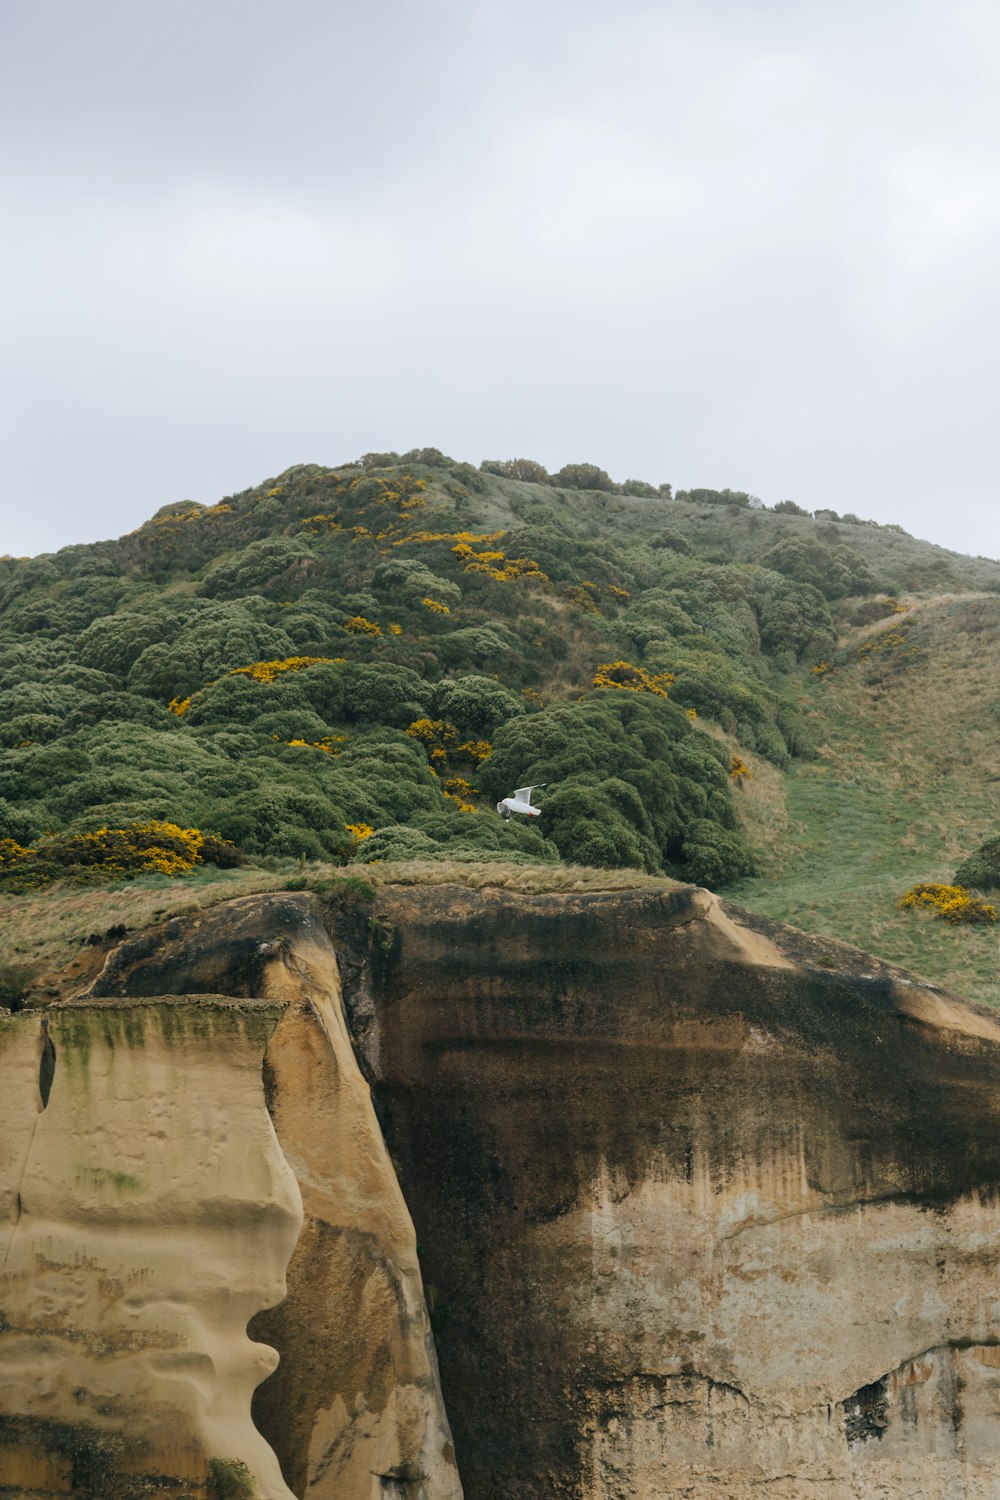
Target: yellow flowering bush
(472, 538)
(954, 903)
(584, 594)
(497, 564)
(267, 671)
(179, 706)
(886, 643)
(434, 734)
(436, 606)
(330, 743)
(359, 831)
(476, 750)
(739, 770)
(461, 804)
(440, 740)
(325, 521)
(621, 674)
(358, 625)
(105, 854)
(12, 854)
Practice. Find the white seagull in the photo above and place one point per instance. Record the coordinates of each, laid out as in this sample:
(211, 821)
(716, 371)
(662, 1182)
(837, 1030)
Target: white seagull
(520, 802)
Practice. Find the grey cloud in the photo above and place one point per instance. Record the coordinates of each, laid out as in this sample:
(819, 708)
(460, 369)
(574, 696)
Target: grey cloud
(749, 244)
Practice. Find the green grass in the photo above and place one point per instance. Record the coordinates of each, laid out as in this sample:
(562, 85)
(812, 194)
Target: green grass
(904, 788)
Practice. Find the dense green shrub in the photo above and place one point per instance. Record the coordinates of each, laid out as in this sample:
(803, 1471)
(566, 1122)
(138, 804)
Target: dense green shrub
(475, 705)
(601, 823)
(286, 722)
(719, 497)
(583, 477)
(407, 580)
(475, 646)
(982, 868)
(670, 540)
(593, 748)
(258, 566)
(112, 644)
(523, 469)
(714, 856)
(833, 571)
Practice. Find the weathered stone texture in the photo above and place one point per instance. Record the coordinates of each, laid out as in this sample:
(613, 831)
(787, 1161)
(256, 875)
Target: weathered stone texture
(706, 1209)
(150, 1214)
(699, 1216)
(354, 1410)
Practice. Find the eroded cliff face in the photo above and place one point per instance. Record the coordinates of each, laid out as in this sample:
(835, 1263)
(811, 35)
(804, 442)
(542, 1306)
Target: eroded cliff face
(705, 1209)
(698, 1216)
(149, 1214)
(354, 1410)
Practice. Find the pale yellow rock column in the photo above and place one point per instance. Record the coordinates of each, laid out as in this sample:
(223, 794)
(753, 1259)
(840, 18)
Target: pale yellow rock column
(156, 1215)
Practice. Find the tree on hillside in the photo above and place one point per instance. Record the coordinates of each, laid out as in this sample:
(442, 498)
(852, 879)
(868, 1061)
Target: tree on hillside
(524, 469)
(584, 477)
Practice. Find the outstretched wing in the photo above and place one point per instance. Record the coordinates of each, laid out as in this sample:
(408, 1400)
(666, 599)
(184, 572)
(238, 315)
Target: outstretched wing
(523, 793)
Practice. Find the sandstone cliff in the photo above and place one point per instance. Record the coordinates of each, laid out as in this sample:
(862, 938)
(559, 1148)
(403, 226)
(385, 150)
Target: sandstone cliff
(354, 1409)
(149, 1214)
(154, 1213)
(700, 1215)
(705, 1209)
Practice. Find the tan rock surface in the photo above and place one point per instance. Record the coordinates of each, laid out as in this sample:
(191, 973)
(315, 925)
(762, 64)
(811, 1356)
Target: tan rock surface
(150, 1214)
(706, 1209)
(705, 1217)
(354, 1409)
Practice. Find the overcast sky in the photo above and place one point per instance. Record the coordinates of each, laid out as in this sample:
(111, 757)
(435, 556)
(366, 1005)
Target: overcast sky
(734, 242)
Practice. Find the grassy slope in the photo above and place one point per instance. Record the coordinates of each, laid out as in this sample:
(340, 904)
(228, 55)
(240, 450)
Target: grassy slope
(905, 786)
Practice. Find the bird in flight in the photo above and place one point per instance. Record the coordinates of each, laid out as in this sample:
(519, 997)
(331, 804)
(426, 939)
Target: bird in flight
(520, 802)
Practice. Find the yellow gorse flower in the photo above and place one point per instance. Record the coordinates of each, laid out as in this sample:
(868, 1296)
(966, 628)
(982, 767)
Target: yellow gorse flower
(497, 565)
(330, 743)
(470, 537)
(621, 674)
(102, 854)
(267, 671)
(954, 903)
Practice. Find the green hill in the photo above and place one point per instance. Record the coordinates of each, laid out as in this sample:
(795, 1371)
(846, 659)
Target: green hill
(353, 664)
